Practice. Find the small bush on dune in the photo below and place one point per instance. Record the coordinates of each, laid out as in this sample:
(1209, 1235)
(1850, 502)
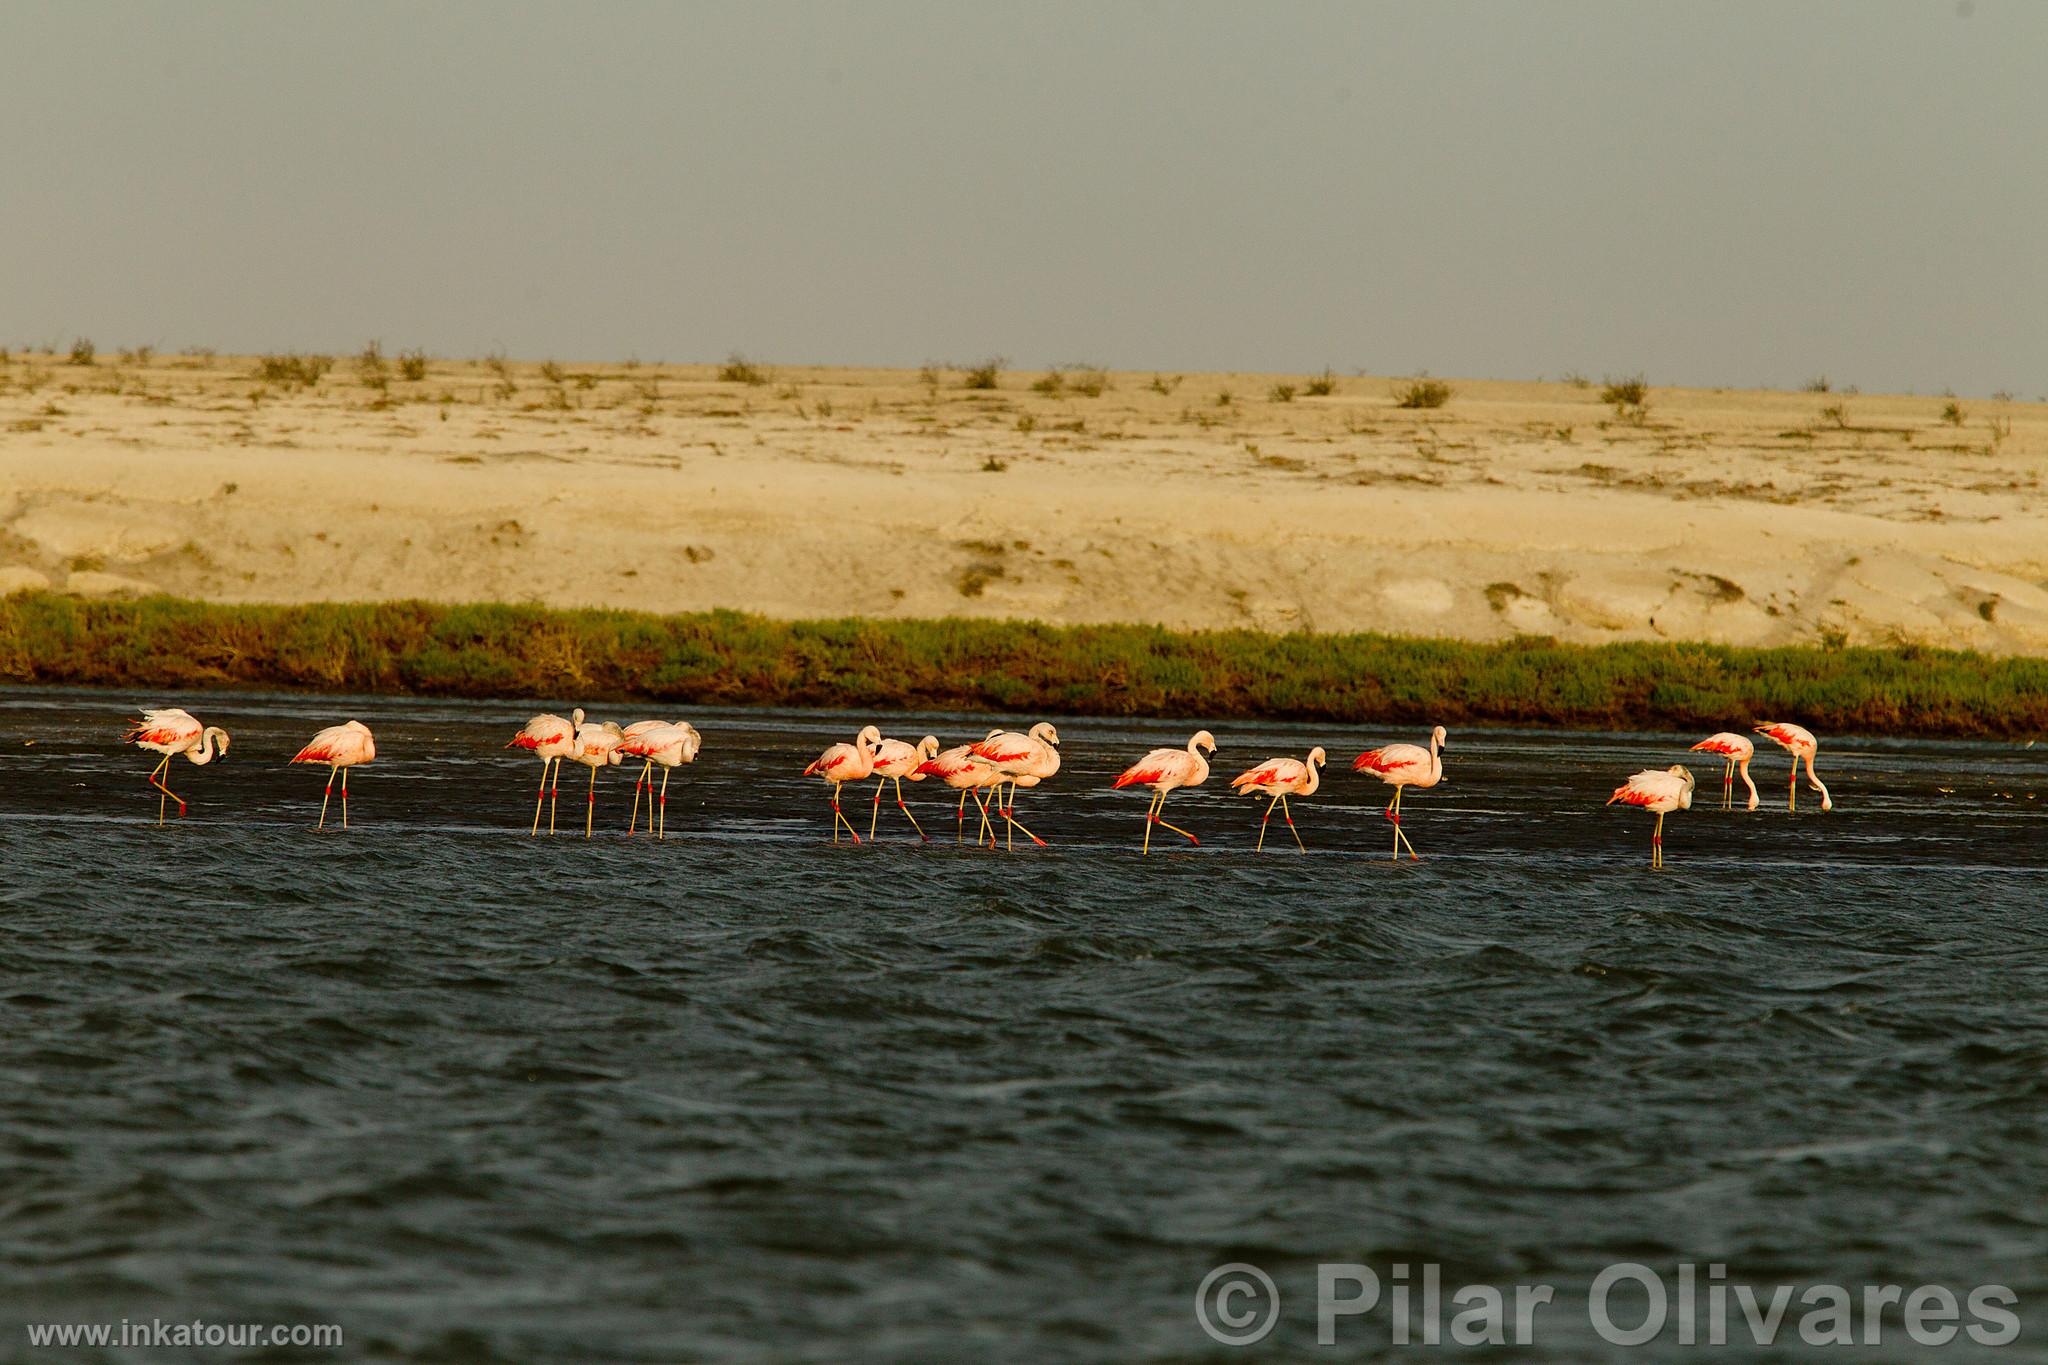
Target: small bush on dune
(412, 365)
(1628, 392)
(1422, 392)
(982, 375)
(82, 352)
(1322, 386)
(737, 369)
(293, 370)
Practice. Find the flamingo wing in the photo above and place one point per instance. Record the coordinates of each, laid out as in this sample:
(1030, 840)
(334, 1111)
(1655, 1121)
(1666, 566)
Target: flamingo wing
(1731, 745)
(1391, 759)
(1157, 766)
(1272, 773)
(168, 725)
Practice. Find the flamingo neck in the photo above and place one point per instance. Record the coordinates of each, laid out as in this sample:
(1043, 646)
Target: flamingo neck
(1743, 766)
(1813, 779)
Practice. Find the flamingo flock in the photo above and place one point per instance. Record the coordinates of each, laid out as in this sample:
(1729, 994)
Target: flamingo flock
(979, 771)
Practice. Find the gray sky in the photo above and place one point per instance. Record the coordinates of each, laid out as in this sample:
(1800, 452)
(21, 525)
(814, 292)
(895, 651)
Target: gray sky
(1716, 193)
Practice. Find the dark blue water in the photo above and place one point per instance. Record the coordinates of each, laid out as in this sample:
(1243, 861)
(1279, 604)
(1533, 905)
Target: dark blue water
(745, 1096)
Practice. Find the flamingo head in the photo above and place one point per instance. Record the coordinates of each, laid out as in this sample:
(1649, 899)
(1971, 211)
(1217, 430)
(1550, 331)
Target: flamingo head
(928, 746)
(1684, 774)
(869, 738)
(1043, 730)
(576, 717)
(1317, 758)
(221, 740)
(1440, 738)
(1204, 739)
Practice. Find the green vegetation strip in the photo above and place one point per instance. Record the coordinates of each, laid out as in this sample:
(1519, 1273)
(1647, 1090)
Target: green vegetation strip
(727, 658)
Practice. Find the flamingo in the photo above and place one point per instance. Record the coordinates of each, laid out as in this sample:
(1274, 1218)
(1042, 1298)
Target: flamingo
(1025, 760)
(1800, 743)
(1738, 751)
(961, 770)
(1280, 778)
(1402, 766)
(1662, 790)
(340, 747)
(843, 763)
(894, 761)
(678, 743)
(550, 738)
(171, 731)
(1165, 770)
(595, 746)
(658, 742)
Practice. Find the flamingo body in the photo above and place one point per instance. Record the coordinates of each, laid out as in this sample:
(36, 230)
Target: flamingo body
(669, 743)
(1024, 761)
(550, 739)
(1277, 779)
(171, 731)
(844, 763)
(340, 747)
(1168, 770)
(1798, 741)
(1738, 751)
(1661, 791)
(1402, 766)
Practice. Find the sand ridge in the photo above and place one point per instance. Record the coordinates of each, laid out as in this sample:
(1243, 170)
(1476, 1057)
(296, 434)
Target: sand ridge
(1197, 500)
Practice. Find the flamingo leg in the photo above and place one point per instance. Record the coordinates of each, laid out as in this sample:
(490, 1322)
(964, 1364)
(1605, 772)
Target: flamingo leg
(590, 803)
(839, 818)
(326, 796)
(344, 798)
(646, 779)
(156, 779)
(555, 796)
(905, 808)
(1263, 822)
(988, 827)
(1151, 814)
(1792, 788)
(540, 797)
(1657, 843)
(661, 830)
(1160, 819)
(1394, 814)
(960, 818)
(1288, 816)
(876, 813)
(1728, 787)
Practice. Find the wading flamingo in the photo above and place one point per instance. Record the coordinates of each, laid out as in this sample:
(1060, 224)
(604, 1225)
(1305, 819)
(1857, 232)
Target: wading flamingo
(1402, 766)
(1165, 770)
(1738, 751)
(670, 745)
(970, 776)
(1024, 760)
(172, 731)
(844, 763)
(1800, 743)
(1278, 779)
(549, 738)
(1662, 790)
(596, 746)
(894, 761)
(340, 747)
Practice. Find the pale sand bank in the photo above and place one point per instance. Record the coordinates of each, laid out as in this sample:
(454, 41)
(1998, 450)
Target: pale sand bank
(1740, 516)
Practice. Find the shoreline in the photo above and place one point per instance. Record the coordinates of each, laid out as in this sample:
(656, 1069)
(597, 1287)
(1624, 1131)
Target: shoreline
(726, 658)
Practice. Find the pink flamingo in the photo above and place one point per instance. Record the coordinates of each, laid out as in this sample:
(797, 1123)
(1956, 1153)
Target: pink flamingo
(961, 770)
(844, 763)
(1025, 760)
(670, 745)
(894, 761)
(1738, 751)
(1166, 770)
(1800, 743)
(1280, 778)
(172, 731)
(1662, 790)
(340, 747)
(596, 746)
(1402, 766)
(550, 739)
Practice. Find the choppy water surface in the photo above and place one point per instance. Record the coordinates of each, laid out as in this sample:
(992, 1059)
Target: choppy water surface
(747, 1096)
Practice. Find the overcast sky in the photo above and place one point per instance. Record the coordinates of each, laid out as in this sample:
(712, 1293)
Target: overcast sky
(1717, 193)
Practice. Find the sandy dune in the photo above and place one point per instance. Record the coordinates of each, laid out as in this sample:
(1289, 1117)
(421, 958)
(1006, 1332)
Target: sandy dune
(1738, 516)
